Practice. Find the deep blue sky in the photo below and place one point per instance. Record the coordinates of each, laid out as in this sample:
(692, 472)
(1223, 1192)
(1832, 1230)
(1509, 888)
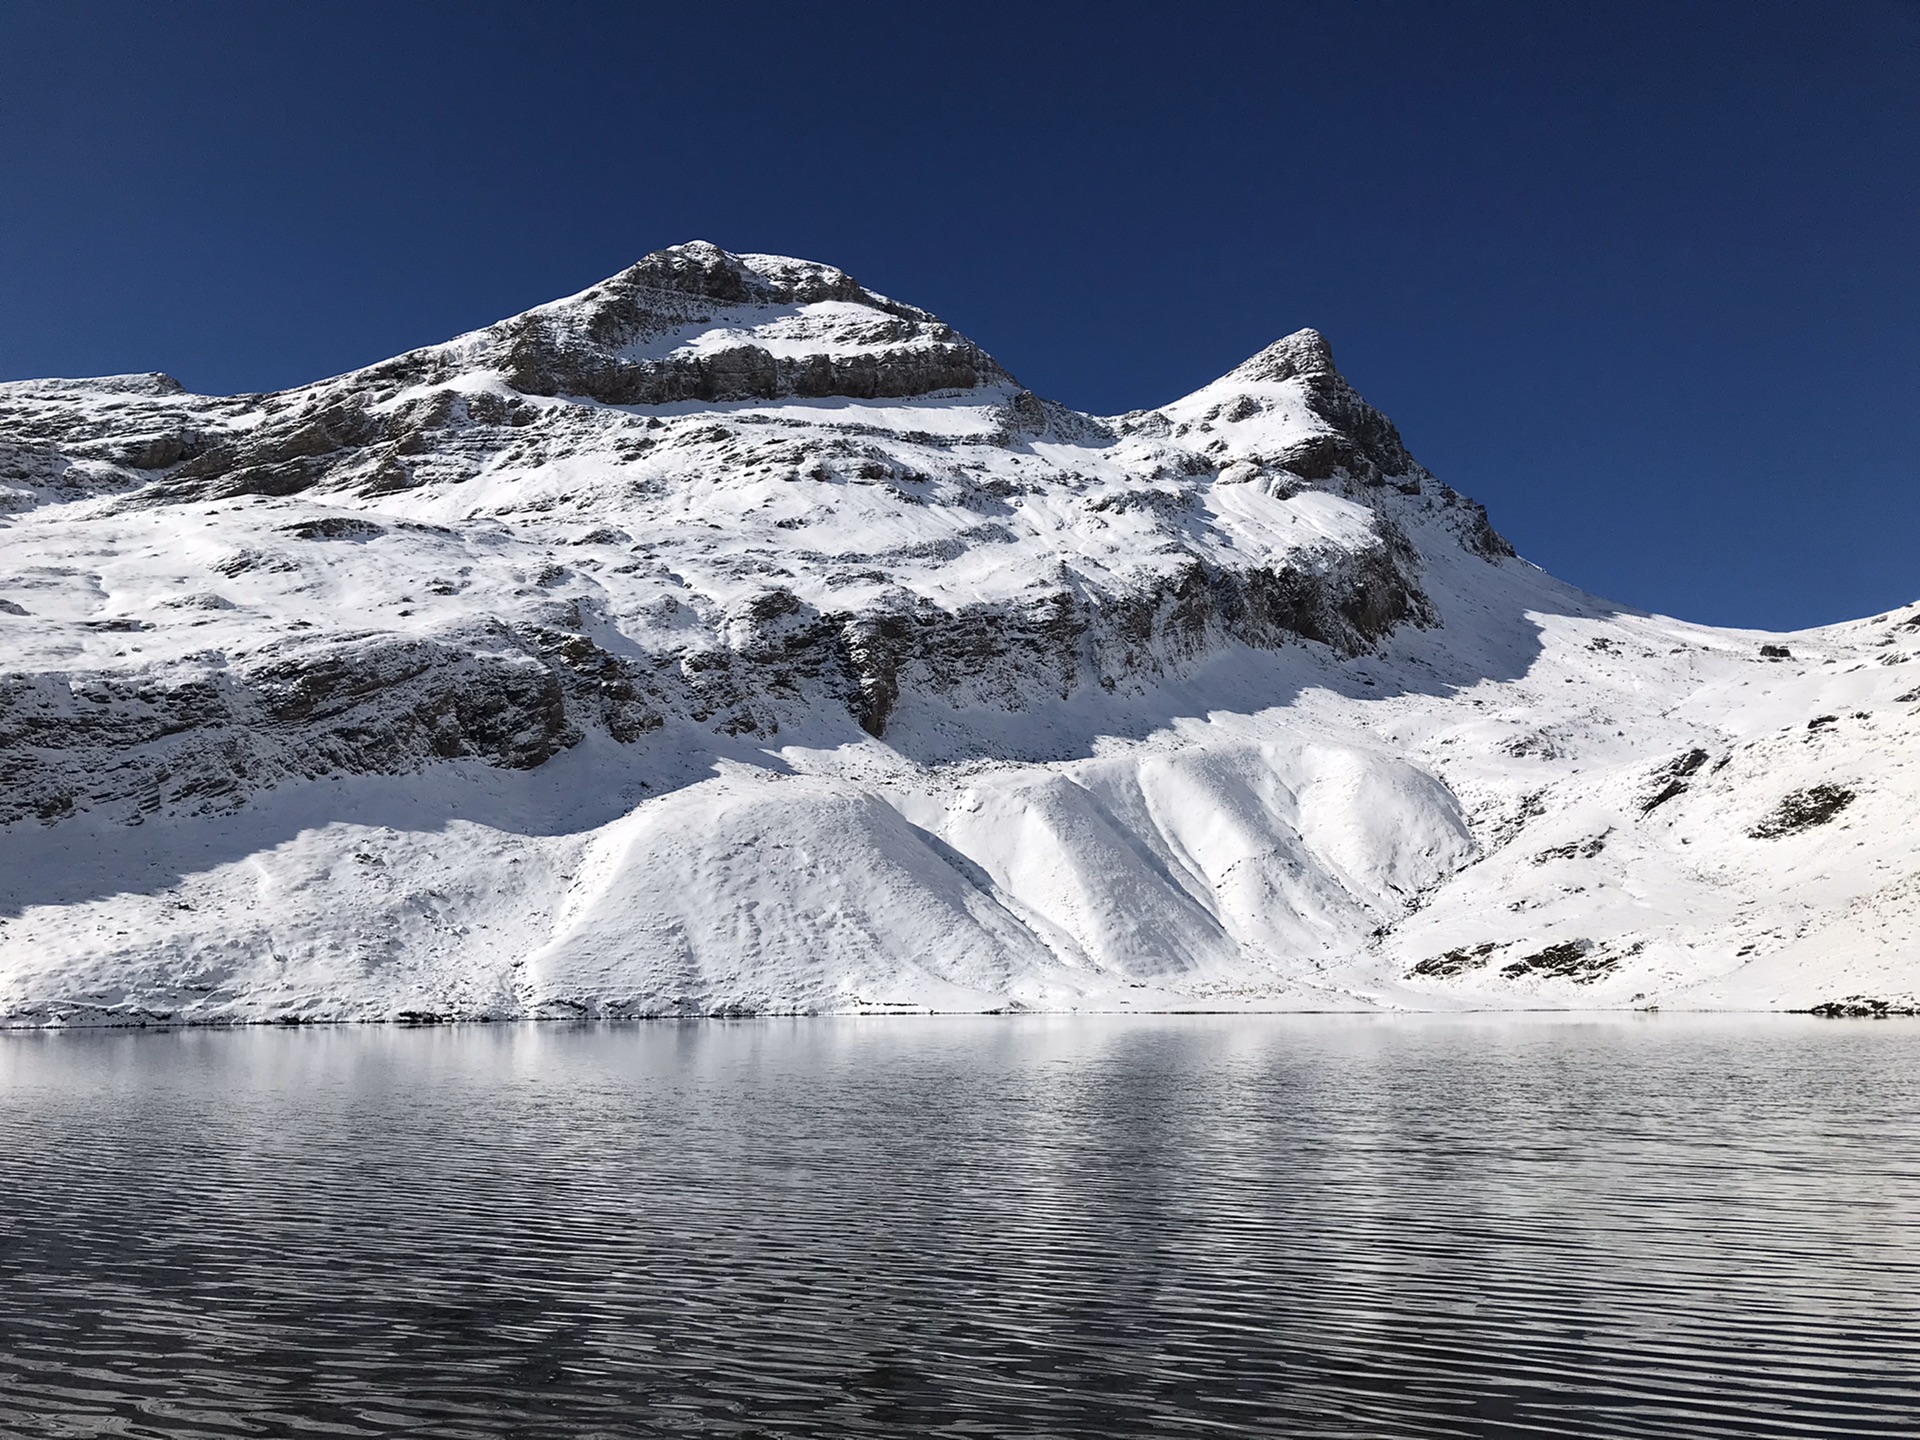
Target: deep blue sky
(1644, 278)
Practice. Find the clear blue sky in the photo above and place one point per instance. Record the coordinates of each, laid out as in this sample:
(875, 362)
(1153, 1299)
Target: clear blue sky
(1643, 277)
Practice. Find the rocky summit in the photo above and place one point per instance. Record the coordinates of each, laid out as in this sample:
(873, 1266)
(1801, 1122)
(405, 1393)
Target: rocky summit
(730, 638)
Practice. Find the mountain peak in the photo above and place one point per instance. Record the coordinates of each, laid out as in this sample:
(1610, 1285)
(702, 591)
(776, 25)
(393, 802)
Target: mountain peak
(1304, 352)
(702, 269)
(696, 322)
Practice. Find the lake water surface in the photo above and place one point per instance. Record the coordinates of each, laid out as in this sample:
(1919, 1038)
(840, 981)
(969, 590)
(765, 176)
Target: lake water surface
(1315, 1226)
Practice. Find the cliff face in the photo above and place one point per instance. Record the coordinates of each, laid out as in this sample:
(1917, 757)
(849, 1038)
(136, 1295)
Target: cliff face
(614, 567)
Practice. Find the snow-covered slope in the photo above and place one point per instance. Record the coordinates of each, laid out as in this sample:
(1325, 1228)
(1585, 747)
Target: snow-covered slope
(730, 638)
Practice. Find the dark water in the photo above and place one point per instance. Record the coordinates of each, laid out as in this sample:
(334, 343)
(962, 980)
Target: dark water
(1213, 1227)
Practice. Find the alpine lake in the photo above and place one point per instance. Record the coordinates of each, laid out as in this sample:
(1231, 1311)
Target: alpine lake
(1300, 1226)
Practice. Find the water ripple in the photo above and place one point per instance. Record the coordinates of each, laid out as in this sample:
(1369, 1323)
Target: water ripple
(1209, 1227)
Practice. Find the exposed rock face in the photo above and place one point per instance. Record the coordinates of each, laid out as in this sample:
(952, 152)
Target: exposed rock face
(1303, 353)
(199, 737)
(1360, 441)
(67, 439)
(598, 346)
(764, 331)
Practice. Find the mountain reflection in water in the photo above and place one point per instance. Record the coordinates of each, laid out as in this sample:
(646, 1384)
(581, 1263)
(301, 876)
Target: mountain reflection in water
(1302, 1226)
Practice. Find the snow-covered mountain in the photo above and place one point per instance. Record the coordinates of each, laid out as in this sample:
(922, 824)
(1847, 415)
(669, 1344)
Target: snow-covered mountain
(730, 638)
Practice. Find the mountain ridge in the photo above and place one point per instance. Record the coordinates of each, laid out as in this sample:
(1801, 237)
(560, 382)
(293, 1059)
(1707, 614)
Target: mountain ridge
(761, 553)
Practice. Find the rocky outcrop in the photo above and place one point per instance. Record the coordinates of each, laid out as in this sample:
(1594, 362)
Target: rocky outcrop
(202, 738)
(1867, 1007)
(596, 346)
(590, 346)
(535, 365)
(1013, 656)
(62, 440)
(1362, 441)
